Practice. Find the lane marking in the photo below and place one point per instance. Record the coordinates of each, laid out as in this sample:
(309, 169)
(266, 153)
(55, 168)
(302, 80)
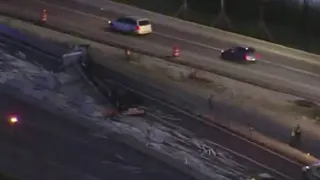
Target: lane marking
(301, 84)
(291, 68)
(181, 111)
(219, 49)
(213, 125)
(227, 149)
(163, 103)
(187, 41)
(181, 39)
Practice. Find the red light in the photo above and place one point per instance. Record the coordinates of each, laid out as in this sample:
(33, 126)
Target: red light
(138, 28)
(246, 57)
(258, 56)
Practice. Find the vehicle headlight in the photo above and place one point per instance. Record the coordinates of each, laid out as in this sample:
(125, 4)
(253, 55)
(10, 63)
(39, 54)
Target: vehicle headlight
(306, 168)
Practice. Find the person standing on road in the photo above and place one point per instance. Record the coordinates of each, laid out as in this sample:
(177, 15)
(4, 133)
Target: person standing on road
(297, 132)
(296, 135)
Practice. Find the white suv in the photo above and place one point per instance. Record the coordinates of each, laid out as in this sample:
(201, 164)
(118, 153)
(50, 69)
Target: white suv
(132, 24)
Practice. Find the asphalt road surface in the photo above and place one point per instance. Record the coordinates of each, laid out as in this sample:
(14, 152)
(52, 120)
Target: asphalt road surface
(188, 123)
(281, 72)
(48, 146)
(57, 132)
(201, 130)
(66, 18)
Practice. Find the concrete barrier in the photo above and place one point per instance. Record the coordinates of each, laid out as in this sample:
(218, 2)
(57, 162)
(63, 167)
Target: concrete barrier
(86, 122)
(155, 53)
(202, 30)
(258, 138)
(237, 129)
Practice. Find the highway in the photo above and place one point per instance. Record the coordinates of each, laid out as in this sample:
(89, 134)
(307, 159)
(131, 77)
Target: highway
(58, 137)
(280, 72)
(227, 168)
(44, 145)
(91, 25)
(224, 138)
(48, 146)
(78, 21)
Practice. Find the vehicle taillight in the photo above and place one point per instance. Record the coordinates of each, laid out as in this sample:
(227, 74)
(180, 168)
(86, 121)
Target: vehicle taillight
(138, 28)
(246, 57)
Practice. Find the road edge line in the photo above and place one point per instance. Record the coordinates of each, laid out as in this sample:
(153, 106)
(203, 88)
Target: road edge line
(85, 122)
(89, 40)
(216, 71)
(218, 33)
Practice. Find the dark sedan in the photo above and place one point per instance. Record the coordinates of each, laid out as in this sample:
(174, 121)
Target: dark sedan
(239, 54)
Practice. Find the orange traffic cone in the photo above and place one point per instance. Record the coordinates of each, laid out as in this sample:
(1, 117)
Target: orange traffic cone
(44, 16)
(175, 51)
